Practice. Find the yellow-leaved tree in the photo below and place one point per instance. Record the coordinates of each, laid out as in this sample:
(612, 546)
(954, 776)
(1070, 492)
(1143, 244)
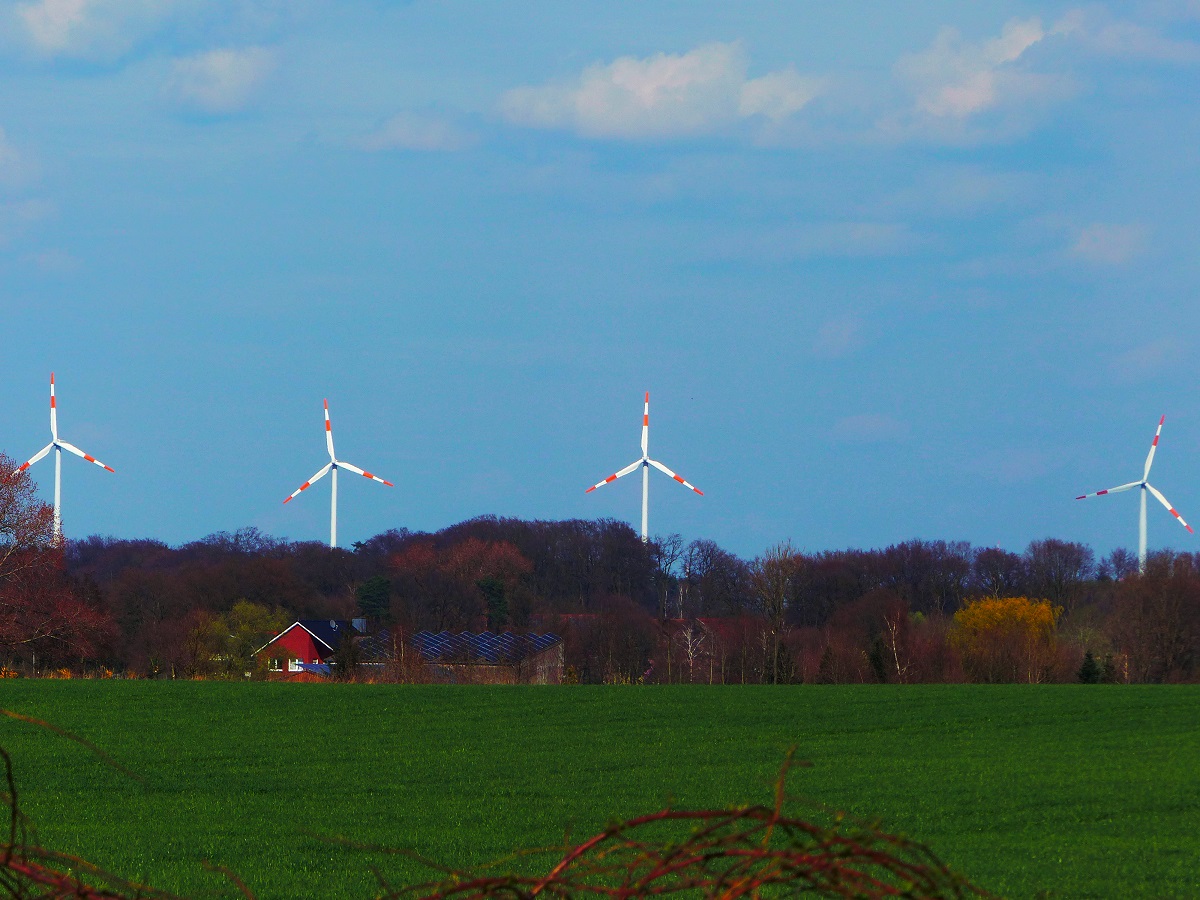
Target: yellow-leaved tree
(1006, 638)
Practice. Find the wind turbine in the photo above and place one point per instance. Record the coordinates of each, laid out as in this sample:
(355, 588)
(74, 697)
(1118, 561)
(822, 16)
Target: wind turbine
(58, 446)
(1145, 486)
(645, 462)
(332, 466)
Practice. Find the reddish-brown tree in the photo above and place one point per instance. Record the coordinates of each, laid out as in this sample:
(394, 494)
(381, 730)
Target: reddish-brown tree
(40, 616)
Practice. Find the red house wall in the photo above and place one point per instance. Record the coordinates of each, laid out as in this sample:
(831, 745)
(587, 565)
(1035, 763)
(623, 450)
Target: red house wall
(295, 643)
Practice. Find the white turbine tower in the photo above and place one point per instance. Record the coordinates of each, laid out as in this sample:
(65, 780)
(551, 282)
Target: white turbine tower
(645, 463)
(332, 466)
(1145, 486)
(58, 446)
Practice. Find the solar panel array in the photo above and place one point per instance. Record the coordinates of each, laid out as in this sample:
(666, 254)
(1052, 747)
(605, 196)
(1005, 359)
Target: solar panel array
(485, 647)
(376, 647)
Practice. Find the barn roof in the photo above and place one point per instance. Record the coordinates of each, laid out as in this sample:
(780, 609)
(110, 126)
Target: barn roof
(483, 647)
(328, 631)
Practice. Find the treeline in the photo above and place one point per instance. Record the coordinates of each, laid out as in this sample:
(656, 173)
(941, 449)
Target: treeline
(667, 610)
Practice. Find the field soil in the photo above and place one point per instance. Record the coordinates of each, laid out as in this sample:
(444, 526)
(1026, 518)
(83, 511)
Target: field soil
(1052, 791)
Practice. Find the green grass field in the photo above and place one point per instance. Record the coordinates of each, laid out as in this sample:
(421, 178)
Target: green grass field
(1060, 791)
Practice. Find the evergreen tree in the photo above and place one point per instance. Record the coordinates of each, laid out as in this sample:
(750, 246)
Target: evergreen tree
(497, 603)
(1089, 672)
(878, 658)
(825, 671)
(347, 657)
(375, 598)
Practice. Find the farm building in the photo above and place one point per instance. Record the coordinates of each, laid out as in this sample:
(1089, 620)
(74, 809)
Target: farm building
(487, 658)
(307, 648)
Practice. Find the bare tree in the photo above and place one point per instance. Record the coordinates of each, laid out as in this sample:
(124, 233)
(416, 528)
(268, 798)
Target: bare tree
(665, 553)
(895, 636)
(998, 573)
(951, 572)
(717, 580)
(1058, 569)
(692, 640)
(771, 577)
(1119, 564)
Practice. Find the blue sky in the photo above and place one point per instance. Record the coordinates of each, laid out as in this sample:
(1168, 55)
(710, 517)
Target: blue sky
(888, 270)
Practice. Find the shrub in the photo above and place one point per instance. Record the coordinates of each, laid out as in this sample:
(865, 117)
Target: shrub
(1006, 638)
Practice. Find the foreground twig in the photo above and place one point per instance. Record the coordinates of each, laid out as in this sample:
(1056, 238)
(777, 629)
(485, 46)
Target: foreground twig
(749, 851)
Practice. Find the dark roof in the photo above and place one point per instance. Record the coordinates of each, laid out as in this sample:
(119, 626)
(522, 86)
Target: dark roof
(327, 631)
(331, 632)
(485, 647)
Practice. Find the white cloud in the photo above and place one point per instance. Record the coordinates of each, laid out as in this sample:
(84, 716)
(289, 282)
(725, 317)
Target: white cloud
(1098, 32)
(955, 79)
(410, 131)
(107, 30)
(661, 96)
(778, 95)
(220, 81)
(1112, 245)
(955, 83)
(52, 23)
(89, 28)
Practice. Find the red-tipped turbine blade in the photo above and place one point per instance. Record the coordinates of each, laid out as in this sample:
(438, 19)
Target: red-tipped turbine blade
(53, 410)
(357, 471)
(71, 448)
(304, 487)
(646, 426)
(1163, 500)
(328, 432)
(41, 453)
(1153, 447)
(625, 471)
(1116, 490)
(667, 471)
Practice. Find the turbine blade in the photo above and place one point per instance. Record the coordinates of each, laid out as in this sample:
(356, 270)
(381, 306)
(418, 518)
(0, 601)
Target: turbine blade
(41, 453)
(1163, 500)
(71, 448)
(1115, 490)
(304, 487)
(53, 410)
(329, 433)
(625, 471)
(664, 469)
(1153, 447)
(357, 471)
(646, 426)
